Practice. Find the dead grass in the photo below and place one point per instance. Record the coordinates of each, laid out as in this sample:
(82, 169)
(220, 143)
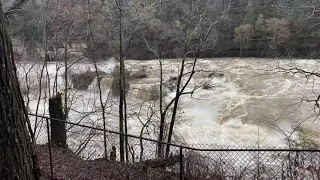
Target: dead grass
(67, 165)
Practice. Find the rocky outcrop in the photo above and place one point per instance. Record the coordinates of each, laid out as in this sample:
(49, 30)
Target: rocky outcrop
(82, 81)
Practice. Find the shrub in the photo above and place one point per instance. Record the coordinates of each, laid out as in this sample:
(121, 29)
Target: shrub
(201, 167)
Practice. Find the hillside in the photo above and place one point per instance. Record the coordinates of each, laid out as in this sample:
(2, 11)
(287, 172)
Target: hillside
(248, 28)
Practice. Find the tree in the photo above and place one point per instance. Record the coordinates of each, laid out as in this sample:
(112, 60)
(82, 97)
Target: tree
(185, 74)
(278, 32)
(251, 15)
(17, 157)
(243, 36)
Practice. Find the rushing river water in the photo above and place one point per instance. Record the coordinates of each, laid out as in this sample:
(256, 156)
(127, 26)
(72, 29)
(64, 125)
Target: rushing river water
(246, 102)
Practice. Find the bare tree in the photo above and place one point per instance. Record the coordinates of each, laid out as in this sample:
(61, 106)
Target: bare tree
(198, 27)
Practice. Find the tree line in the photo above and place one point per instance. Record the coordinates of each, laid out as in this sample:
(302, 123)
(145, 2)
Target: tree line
(252, 28)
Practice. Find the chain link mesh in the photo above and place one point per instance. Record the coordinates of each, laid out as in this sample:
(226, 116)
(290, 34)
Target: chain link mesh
(87, 158)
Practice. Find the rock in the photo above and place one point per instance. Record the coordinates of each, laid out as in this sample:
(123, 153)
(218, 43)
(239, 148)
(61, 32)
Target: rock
(82, 81)
(142, 73)
(206, 86)
(173, 78)
(170, 85)
(216, 74)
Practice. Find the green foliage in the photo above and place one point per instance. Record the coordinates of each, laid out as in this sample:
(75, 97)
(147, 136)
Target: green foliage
(260, 26)
(270, 34)
(244, 32)
(243, 35)
(251, 15)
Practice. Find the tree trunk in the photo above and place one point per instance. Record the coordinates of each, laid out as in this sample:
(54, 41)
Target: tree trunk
(241, 48)
(175, 106)
(58, 129)
(162, 119)
(121, 86)
(17, 156)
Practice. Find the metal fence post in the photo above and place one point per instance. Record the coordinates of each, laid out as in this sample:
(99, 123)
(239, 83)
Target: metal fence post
(258, 165)
(49, 145)
(181, 164)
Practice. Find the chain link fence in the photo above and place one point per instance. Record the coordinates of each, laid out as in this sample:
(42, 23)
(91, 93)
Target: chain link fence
(89, 156)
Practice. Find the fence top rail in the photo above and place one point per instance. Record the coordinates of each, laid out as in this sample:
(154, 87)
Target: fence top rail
(180, 146)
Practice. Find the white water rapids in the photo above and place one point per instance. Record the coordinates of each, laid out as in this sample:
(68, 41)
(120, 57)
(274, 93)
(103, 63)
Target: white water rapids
(249, 101)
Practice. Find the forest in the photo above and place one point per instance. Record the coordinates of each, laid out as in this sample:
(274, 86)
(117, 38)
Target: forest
(245, 28)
